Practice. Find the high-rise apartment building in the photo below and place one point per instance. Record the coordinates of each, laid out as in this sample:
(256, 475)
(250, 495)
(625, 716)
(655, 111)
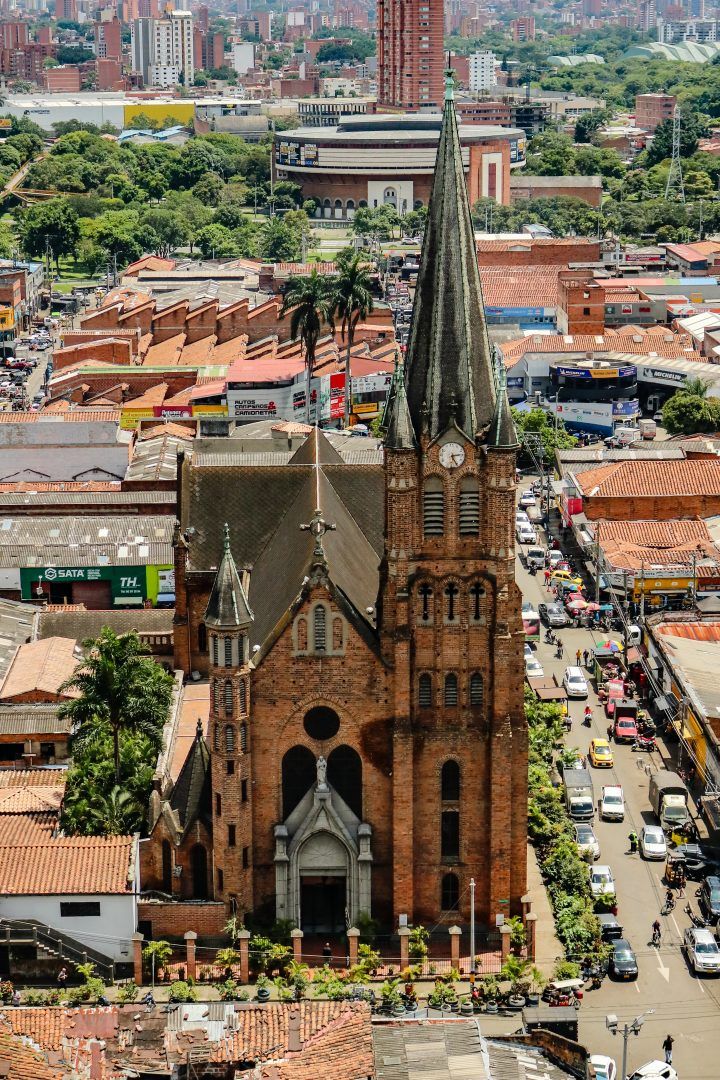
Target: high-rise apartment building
(66, 9)
(482, 72)
(410, 53)
(162, 49)
(108, 39)
(523, 29)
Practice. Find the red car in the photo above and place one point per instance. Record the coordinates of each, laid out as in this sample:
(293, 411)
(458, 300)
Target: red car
(625, 729)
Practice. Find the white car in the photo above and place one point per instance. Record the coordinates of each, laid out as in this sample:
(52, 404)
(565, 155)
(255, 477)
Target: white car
(612, 804)
(533, 668)
(574, 683)
(555, 557)
(525, 533)
(653, 844)
(601, 881)
(605, 1068)
(702, 951)
(586, 840)
(527, 499)
(521, 516)
(528, 650)
(654, 1070)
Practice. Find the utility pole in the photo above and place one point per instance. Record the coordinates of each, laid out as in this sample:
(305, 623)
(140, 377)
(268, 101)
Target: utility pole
(642, 591)
(611, 1023)
(625, 607)
(675, 188)
(597, 566)
(472, 924)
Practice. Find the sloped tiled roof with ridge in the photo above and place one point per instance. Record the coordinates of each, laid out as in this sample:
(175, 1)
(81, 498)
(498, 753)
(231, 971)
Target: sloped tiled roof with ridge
(648, 479)
(80, 865)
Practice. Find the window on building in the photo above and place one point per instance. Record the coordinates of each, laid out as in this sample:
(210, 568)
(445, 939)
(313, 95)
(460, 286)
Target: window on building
(243, 697)
(228, 651)
(477, 593)
(218, 804)
(75, 909)
(450, 834)
(246, 858)
(243, 791)
(344, 774)
(243, 738)
(221, 880)
(451, 594)
(476, 688)
(202, 638)
(231, 836)
(433, 507)
(425, 691)
(425, 594)
(319, 628)
(229, 739)
(215, 650)
(450, 892)
(451, 690)
(299, 774)
(469, 523)
(450, 782)
(228, 693)
(216, 738)
(586, 311)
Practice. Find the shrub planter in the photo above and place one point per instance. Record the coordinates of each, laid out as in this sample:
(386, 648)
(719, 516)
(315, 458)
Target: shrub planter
(533, 1000)
(263, 994)
(516, 1001)
(492, 1007)
(466, 1008)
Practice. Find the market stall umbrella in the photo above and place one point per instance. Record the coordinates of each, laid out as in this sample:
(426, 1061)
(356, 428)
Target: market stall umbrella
(593, 607)
(611, 645)
(577, 603)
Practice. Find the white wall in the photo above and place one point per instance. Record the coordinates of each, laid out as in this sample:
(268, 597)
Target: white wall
(110, 932)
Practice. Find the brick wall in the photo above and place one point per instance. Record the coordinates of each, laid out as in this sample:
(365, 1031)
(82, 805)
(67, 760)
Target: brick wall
(653, 508)
(113, 351)
(172, 920)
(534, 253)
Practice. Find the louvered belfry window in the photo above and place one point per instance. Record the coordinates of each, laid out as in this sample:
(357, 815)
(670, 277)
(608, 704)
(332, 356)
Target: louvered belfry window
(433, 507)
(469, 523)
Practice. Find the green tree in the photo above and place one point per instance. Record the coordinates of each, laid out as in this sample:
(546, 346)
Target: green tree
(120, 688)
(693, 127)
(279, 242)
(216, 242)
(209, 189)
(115, 813)
(310, 303)
(587, 125)
(553, 436)
(52, 224)
(352, 300)
(170, 228)
(688, 413)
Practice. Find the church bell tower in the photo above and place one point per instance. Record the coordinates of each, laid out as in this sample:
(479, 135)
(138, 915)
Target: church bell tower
(450, 618)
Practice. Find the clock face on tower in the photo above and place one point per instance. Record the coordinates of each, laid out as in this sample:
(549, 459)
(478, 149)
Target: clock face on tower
(452, 455)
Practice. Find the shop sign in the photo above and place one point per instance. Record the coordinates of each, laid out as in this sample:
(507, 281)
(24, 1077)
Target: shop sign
(126, 581)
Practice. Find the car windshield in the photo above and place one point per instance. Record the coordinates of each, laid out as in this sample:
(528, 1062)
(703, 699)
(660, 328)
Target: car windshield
(585, 836)
(600, 878)
(623, 954)
(707, 948)
(675, 813)
(577, 680)
(715, 894)
(602, 751)
(613, 799)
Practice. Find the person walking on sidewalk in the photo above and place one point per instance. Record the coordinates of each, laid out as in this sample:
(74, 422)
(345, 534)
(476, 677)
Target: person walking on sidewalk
(578, 657)
(668, 1048)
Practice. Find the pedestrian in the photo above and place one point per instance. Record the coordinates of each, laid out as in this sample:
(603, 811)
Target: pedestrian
(586, 658)
(16, 998)
(668, 1047)
(681, 880)
(633, 838)
(547, 577)
(327, 952)
(578, 656)
(62, 976)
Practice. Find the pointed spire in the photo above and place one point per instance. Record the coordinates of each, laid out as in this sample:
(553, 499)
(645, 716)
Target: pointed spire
(502, 434)
(399, 429)
(449, 353)
(228, 608)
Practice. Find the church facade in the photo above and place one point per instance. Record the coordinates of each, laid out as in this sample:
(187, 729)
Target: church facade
(359, 625)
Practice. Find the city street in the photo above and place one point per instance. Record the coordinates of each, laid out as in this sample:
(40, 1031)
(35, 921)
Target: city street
(685, 1006)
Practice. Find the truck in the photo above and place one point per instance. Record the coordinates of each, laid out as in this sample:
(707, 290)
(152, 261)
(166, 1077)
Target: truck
(648, 429)
(669, 799)
(579, 798)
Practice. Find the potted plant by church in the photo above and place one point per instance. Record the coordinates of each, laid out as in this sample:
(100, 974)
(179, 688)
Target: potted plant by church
(262, 988)
(491, 992)
(515, 970)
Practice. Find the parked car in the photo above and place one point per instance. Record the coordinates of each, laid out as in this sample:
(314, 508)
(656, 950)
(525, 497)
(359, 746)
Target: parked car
(602, 881)
(610, 928)
(654, 1070)
(535, 557)
(586, 840)
(600, 754)
(612, 804)
(528, 650)
(709, 898)
(554, 557)
(533, 668)
(520, 515)
(525, 533)
(604, 1067)
(527, 499)
(702, 951)
(553, 614)
(623, 962)
(574, 683)
(625, 730)
(697, 862)
(653, 844)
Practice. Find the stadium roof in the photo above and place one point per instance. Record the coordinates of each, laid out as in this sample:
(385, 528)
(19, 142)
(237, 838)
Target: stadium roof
(689, 52)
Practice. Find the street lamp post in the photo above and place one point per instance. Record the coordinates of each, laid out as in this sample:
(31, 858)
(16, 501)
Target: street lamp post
(633, 1028)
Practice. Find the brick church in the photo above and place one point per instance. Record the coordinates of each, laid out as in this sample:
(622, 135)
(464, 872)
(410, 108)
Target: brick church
(358, 622)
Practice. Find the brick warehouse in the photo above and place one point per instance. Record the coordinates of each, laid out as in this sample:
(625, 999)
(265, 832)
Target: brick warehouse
(367, 749)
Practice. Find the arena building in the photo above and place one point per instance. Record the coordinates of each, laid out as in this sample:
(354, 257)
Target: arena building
(389, 160)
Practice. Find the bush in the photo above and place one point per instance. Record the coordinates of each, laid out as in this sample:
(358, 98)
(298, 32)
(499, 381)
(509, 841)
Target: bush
(230, 990)
(35, 997)
(566, 969)
(127, 993)
(417, 943)
(6, 991)
(182, 992)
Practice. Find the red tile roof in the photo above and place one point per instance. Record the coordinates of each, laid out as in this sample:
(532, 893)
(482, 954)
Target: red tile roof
(44, 1026)
(27, 800)
(632, 545)
(82, 865)
(41, 667)
(645, 479)
(520, 286)
(31, 777)
(20, 1062)
(694, 631)
(610, 341)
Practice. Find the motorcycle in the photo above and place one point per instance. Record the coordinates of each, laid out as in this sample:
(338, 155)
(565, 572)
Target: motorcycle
(587, 717)
(558, 650)
(549, 637)
(532, 569)
(644, 744)
(697, 920)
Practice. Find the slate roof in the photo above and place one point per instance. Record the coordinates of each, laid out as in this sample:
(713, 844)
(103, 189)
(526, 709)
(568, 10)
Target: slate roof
(449, 362)
(227, 607)
(192, 795)
(399, 429)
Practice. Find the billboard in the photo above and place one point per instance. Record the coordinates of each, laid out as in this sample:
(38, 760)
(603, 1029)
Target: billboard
(597, 416)
(628, 371)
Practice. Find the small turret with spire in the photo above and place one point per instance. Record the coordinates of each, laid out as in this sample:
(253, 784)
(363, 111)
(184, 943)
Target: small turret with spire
(399, 427)
(228, 607)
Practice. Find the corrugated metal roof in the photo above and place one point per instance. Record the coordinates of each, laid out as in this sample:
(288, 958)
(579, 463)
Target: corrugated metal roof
(86, 541)
(84, 498)
(34, 720)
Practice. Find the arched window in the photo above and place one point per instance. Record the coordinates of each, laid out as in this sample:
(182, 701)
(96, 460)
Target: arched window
(344, 773)
(243, 697)
(215, 650)
(228, 698)
(228, 651)
(451, 690)
(425, 691)
(449, 892)
(166, 866)
(433, 507)
(198, 864)
(298, 776)
(243, 737)
(216, 737)
(319, 628)
(425, 594)
(450, 782)
(476, 688)
(469, 518)
(202, 637)
(229, 739)
(450, 834)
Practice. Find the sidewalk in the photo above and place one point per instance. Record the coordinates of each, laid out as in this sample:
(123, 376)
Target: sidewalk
(547, 946)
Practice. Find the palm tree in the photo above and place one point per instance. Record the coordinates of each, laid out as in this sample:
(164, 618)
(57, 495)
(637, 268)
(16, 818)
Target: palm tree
(696, 387)
(353, 301)
(120, 688)
(115, 814)
(310, 304)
